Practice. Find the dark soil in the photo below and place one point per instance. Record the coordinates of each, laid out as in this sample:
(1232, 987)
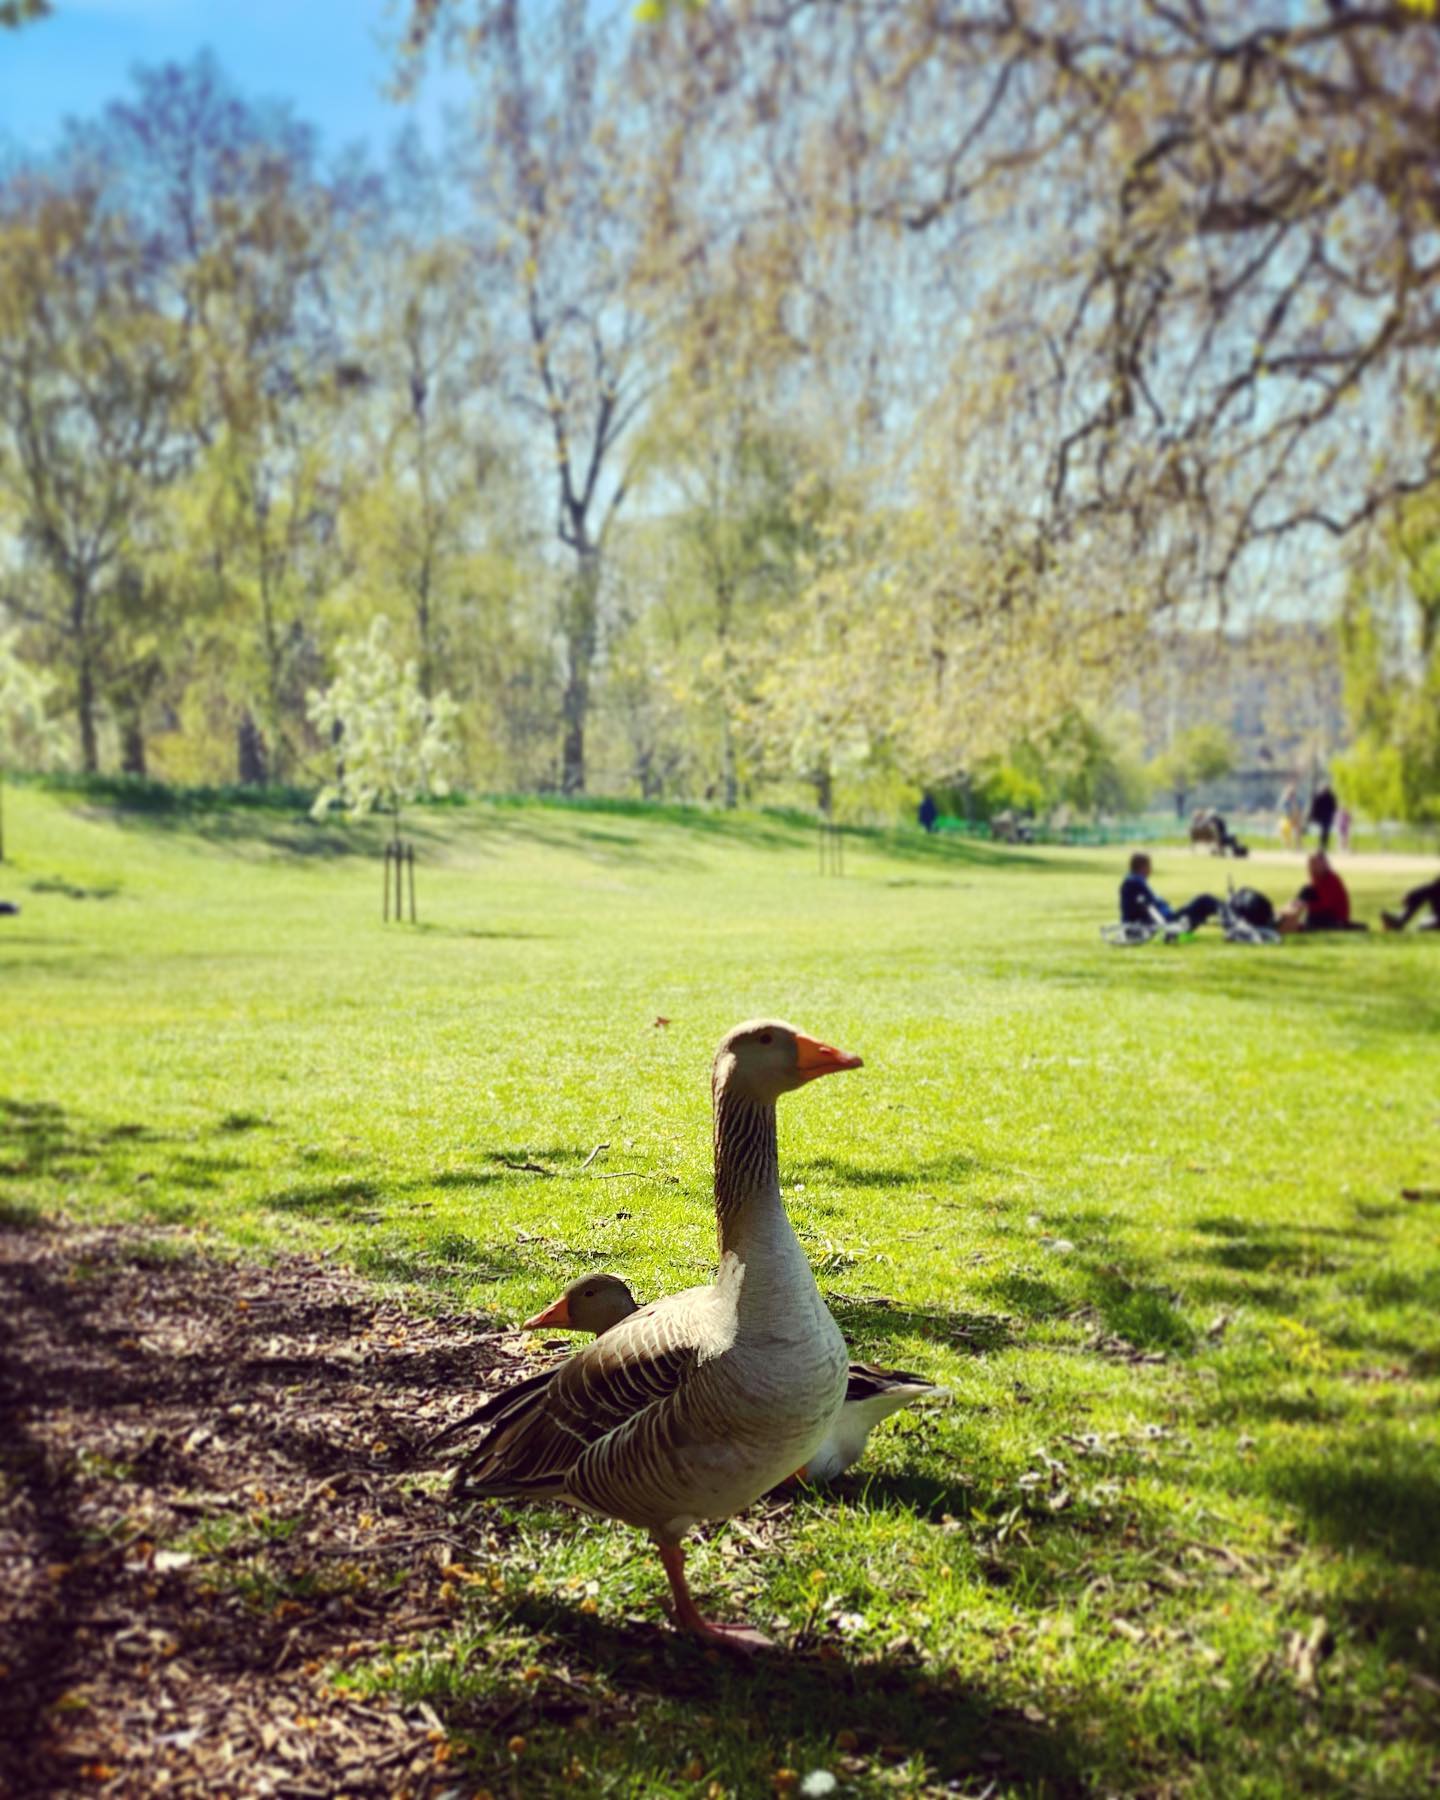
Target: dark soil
(206, 1508)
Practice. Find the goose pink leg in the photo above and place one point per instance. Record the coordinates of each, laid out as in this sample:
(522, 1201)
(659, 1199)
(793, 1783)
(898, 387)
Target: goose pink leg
(689, 1617)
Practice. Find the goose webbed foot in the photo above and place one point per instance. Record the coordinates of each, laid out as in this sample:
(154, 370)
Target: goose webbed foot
(689, 1617)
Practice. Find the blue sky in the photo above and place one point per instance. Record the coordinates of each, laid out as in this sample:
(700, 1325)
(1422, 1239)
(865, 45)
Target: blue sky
(327, 57)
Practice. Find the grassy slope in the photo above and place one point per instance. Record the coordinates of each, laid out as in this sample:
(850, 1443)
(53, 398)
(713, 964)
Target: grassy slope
(232, 1040)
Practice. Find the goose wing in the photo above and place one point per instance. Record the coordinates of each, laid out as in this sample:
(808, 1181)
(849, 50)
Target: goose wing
(866, 1382)
(534, 1434)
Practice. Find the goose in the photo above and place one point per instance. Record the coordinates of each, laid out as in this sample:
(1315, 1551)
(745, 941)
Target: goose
(596, 1302)
(696, 1405)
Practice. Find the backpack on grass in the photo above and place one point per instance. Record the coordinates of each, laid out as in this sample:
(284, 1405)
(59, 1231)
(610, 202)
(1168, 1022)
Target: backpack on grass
(1250, 904)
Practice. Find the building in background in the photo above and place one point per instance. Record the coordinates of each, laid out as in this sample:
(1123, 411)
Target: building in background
(1275, 689)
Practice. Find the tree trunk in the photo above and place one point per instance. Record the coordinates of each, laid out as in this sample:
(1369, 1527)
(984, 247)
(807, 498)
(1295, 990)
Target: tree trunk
(250, 759)
(728, 781)
(575, 707)
(85, 717)
(581, 633)
(132, 746)
(730, 785)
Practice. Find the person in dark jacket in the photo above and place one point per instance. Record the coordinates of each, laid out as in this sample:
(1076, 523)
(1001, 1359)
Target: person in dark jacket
(1140, 904)
(927, 812)
(1323, 808)
(1416, 901)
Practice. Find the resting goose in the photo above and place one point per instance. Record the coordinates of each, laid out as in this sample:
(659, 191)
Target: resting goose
(694, 1406)
(596, 1302)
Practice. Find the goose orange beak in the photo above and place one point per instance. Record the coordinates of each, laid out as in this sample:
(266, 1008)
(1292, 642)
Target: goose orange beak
(817, 1059)
(557, 1314)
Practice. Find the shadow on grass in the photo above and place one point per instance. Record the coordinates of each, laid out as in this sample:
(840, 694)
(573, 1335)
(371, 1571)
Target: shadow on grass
(1383, 1496)
(1352, 979)
(964, 1733)
(910, 1175)
(342, 1199)
(277, 821)
(868, 1321)
(40, 1139)
(350, 1196)
(425, 929)
(441, 1264)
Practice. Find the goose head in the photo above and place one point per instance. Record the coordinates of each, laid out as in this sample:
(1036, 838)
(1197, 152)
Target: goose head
(592, 1303)
(765, 1058)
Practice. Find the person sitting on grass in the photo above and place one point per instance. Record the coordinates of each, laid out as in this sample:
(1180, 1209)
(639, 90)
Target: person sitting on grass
(1140, 904)
(1323, 904)
(1415, 901)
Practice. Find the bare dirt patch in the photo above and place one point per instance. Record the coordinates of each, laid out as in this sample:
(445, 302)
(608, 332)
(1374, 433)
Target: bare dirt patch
(205, 1510)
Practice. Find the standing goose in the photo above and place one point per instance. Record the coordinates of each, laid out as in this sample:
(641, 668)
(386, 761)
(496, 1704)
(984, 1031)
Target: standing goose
(596, 1302)
(692, 1407)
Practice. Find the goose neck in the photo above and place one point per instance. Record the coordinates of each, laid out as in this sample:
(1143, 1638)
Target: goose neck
(747, 1165)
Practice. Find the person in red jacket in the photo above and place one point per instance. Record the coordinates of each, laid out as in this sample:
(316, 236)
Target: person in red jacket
(1323, 904)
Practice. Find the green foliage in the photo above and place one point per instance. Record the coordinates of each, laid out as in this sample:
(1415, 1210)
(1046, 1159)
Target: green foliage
(1198, 754)
(391, 743)
(1075, 764)
(29, 736)
(1390, 656)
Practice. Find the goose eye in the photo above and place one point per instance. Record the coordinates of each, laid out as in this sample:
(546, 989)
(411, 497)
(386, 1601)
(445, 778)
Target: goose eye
(767, 1037)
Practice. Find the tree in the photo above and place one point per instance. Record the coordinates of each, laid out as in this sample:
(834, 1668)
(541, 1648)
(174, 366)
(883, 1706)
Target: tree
(560, 223)
(14, 13)
(1198, 754)
(93, 377)
(246, 242)
(1390, 656)
(732, 478)
(1196, 241)
(392, 743)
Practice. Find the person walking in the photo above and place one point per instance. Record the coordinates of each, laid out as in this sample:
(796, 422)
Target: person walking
(1290, 817)
(1323, 808)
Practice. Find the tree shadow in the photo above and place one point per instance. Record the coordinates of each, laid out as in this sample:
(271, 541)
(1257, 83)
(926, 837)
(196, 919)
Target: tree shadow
(351, 1196)
(1303, 975)
(951, 1168)
(39, 1138)
(965, 1733)
(1383, 1496)
(342, 1199)
(426, 928)
(866, 1320)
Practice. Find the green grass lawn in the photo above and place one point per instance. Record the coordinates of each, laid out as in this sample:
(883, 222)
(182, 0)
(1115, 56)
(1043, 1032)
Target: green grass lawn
(1144, 1211)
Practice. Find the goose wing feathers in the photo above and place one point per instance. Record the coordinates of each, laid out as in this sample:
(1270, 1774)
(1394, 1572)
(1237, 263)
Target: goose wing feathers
(866, 1382)
(614, 1404)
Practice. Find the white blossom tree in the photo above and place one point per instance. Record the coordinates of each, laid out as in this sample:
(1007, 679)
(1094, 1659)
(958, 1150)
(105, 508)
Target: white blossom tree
(393, 745)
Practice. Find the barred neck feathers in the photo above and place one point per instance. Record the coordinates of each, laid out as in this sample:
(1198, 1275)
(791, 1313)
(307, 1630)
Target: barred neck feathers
(747, 1160)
